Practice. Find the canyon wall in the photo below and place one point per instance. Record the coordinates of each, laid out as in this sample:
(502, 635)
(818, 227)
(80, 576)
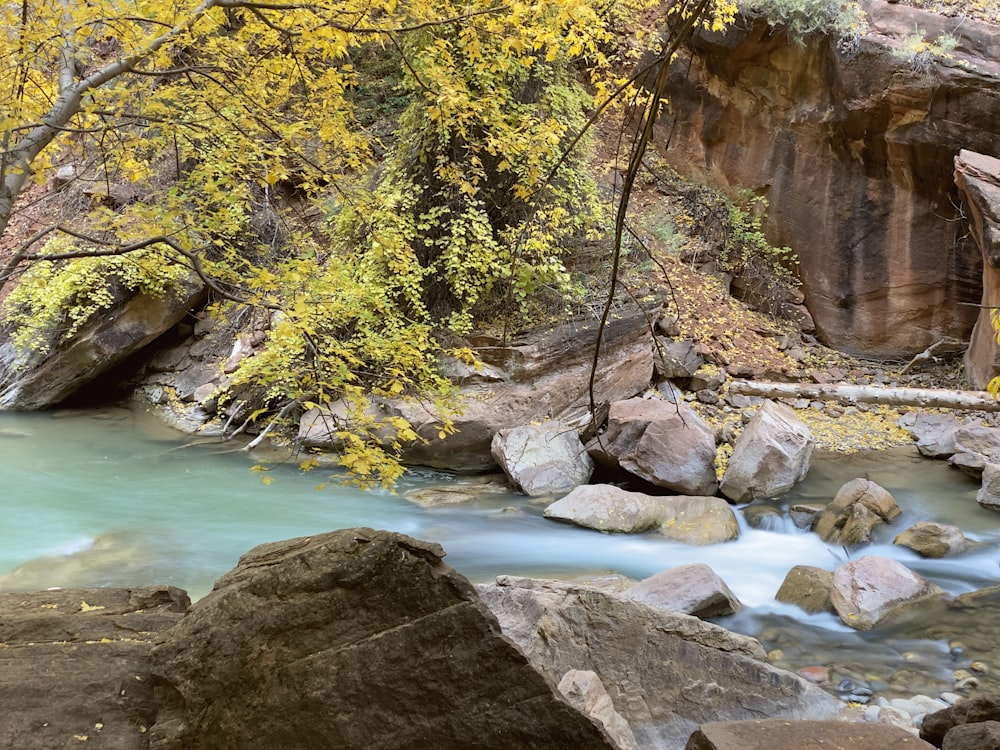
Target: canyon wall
(855, 155)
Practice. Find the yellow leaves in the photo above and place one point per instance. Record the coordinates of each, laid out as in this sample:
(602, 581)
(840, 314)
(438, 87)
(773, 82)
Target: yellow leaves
(84, 607)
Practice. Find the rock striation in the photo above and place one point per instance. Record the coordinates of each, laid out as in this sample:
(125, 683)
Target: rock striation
(978, 179)
(854, 154)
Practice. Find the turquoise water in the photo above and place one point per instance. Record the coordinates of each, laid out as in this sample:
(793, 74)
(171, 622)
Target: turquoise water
(108, 497)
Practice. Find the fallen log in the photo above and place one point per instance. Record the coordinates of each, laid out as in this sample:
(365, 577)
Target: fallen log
(941, 398)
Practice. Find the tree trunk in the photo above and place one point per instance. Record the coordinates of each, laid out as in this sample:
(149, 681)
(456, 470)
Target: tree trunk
(871, 394)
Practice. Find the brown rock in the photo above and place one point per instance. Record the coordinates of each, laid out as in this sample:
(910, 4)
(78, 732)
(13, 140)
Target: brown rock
(857, 508)
(978, 179)
(75, 665)
(934, 540)
(808, 588)
(357, 638)
(983, 735)
(937, 725)
(664, 443)
(774, 734)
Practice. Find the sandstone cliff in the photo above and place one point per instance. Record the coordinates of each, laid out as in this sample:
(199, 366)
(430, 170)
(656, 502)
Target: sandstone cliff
(855, 156)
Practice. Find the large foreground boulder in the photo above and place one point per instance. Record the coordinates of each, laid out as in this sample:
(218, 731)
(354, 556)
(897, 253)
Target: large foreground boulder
(352, 639)
(665, 672)
(74, 666)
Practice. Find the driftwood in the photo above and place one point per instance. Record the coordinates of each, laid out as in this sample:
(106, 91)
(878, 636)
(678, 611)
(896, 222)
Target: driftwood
(870, 394)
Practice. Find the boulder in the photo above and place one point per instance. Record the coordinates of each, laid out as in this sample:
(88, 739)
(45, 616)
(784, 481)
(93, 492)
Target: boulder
(808, 588)
(977, 177)
(586, 693)
(698, 520)
(693, 589)
(934, 433)
(544, 374)
(39, 381)
(934, 540)
(356, 638)
(858, 507)
(665, 672)
(854, 153)
(666, 444)
(976, 446)
(773, 734)
(607, 508)
(545, 459)
(988, 496)
(676, 359)
(75, 665)
(688, 519)
(983, 735)
(770, 456)
(872, 590)
(936, 726)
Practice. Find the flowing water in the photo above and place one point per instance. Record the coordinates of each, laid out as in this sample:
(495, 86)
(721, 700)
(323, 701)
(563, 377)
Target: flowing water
(111, 498)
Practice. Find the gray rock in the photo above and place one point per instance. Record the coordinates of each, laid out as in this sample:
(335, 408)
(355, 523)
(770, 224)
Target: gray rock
(934, 433)
(39, 381)
(676, 359)
(664, 443)
(605, 507)
(770, 456)
(586, 693)
(356, 638)
(858, 507)
(934, 540)
(547, 374)
(545, 459)
(688, 519)
(871, 590)
(665, 672)
(988, 496)
(693, 589)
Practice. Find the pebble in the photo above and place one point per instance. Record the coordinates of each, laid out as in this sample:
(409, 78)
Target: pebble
(907, 713)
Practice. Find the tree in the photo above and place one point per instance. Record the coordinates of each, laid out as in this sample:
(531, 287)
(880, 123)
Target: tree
(204, 115)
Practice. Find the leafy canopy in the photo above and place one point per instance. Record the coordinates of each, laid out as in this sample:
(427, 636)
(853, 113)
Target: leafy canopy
(191, 121)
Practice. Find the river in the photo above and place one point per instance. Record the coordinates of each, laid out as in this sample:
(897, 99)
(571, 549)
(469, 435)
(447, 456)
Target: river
(112, 498)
